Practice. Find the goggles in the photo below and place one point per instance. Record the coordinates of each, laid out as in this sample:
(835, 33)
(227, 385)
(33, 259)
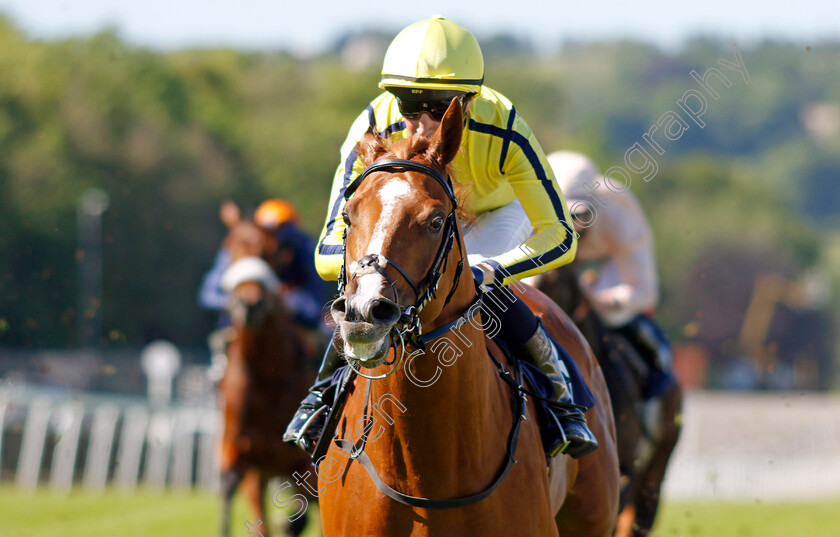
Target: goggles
(411, 109)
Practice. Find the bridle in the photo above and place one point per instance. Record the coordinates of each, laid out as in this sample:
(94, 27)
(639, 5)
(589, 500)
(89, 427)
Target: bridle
(408, 328)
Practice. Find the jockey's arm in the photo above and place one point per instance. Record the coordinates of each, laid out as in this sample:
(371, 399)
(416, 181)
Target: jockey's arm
(329, 252)
(554, 242)
(625, 287)
(211, 296)
(626, 283)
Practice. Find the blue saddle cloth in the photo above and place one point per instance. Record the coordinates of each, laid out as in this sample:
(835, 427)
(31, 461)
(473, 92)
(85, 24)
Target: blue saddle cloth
(538, 383)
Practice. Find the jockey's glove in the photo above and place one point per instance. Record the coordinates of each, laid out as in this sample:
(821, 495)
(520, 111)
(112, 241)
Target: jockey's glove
(483, 273)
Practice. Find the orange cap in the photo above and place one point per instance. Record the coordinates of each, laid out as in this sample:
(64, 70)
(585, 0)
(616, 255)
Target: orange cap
(274, 212)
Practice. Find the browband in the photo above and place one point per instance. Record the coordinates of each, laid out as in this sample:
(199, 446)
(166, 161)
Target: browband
(396, 164)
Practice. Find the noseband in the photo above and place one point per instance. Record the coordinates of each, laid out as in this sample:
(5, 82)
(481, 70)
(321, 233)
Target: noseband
(408, 326)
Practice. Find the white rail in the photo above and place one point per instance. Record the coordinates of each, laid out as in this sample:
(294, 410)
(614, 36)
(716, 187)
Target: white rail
(67, 439)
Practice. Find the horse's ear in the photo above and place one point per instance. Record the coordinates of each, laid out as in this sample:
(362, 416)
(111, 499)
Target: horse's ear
(447, 139)
(229, 213)
(370, 147)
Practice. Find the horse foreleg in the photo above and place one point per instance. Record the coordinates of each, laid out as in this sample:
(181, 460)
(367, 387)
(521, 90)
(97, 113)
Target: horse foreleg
(253, 486)
(650, 480)
(230, 482)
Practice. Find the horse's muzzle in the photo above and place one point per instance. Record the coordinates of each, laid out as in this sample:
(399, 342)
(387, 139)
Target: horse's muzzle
(366, 333)
(377, 312)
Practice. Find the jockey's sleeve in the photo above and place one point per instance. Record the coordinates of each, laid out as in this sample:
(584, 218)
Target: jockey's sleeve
(627, 282)
(554, 241)
(329, 252)
(633, 291)
(210, 295)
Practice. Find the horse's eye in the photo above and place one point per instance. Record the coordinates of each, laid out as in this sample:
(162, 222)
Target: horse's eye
(346, 218)
(436, 223)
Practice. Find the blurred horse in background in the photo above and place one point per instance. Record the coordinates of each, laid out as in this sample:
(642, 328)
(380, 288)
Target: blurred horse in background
(647, 432)
(270, 363)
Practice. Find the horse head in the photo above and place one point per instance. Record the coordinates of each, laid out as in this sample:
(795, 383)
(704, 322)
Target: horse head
(401, 229)
(250, 279)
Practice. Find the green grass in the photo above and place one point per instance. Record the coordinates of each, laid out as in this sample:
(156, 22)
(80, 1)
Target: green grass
(146, 514)
(42, 513)
(749, 519)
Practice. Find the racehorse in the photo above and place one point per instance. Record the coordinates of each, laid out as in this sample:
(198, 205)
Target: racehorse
(440, 442)
(270, 363)
(645, 441)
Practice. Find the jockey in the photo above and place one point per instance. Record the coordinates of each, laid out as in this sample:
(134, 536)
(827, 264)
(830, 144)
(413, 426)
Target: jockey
(615, 240)
(522, 221)
(304, 292)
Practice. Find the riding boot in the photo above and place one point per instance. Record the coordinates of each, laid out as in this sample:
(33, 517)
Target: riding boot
(579, 440)
(307, 425)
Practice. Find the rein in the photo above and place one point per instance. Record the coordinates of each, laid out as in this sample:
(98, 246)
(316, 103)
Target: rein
(357, 453)
(409, 331)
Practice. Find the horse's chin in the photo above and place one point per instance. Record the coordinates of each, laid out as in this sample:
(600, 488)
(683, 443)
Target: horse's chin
(365, 344)
(367, 355)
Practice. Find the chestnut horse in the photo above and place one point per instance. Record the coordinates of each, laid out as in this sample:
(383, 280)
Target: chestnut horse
(270, 363)
(440, 444)
(644, 448)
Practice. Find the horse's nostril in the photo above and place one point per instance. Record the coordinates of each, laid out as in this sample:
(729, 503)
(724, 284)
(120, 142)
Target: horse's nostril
(384, 312)
(340, 305)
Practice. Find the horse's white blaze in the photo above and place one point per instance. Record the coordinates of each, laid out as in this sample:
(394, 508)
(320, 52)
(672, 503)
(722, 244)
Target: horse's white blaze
(391, 196)
(368, 289)
(370, 286)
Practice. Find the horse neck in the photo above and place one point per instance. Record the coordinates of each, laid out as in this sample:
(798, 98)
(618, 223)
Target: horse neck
(443, 402)
(264, 350)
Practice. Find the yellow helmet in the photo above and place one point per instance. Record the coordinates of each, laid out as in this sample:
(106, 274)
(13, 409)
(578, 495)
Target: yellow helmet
(433, 54)
(274, 212)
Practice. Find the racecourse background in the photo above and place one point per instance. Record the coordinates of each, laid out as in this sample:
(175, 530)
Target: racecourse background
(743, 447)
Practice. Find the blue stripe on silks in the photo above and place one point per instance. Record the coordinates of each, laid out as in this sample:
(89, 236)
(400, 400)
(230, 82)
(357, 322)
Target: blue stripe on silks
(330, 249)
(486, 128)
(371, 116)
(507, 137)
(348, 171)
(561, 249)
(534, 160)
(392, 128)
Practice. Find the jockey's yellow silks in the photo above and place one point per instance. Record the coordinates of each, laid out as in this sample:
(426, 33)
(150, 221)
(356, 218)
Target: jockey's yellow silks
(500, 158)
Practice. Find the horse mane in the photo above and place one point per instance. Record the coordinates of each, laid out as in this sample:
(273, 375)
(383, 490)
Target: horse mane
(411, 147)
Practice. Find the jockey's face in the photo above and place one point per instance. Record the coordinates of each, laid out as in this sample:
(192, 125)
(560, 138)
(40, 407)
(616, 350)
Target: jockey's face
(426, 125)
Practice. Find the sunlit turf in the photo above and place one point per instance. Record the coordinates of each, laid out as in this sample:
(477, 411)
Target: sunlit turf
(749, 519)
(146, 514)
(141, 513)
